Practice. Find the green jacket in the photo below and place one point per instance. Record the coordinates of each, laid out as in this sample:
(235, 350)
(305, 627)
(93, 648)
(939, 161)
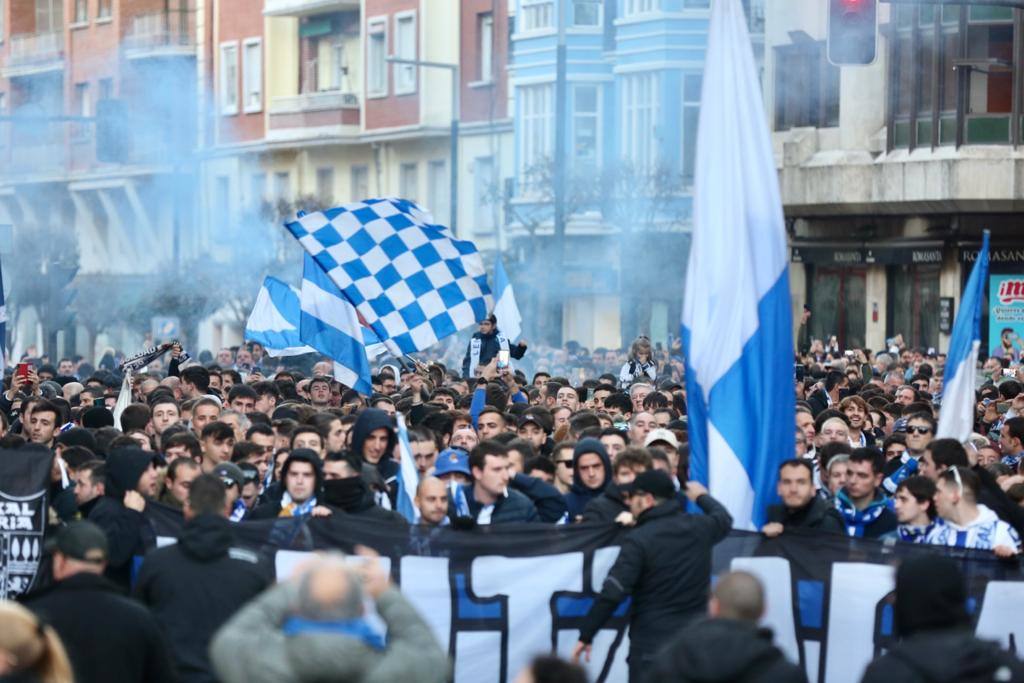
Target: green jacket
(251, 647)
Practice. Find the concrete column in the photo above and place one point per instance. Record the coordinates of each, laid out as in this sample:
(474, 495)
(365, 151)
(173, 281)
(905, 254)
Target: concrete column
(949, 285)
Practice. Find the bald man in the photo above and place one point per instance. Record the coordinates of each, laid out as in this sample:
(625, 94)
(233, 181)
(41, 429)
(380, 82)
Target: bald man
(432, 502)
(735, 607)
(325, 601)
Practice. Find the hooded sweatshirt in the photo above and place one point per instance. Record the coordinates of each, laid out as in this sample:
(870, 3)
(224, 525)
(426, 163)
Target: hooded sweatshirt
(579, 495)
(937, 645)
(127, 531)
(370, 420)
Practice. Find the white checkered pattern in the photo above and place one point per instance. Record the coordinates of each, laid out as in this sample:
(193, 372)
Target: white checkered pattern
(412, 282)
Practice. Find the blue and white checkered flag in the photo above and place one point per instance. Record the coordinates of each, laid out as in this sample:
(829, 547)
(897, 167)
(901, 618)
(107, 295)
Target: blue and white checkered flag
(411, 281)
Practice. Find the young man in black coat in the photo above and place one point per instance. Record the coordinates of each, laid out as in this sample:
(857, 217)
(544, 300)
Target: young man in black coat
(196, 585)
(664, 565)
(131, 481)
(108, 637)
(611, 504)
(800, 506)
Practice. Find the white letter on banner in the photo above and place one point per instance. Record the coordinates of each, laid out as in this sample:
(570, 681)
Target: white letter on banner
(1000, 612)
(777, 579)
(426, 584)
(529, 583)
(853, 598)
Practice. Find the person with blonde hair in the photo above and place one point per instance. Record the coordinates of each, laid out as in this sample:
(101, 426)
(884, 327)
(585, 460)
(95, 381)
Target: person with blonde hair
(29, 649)
(640, 366)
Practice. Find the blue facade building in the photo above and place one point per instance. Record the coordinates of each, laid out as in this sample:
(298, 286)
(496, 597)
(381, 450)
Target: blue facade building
(632, 83)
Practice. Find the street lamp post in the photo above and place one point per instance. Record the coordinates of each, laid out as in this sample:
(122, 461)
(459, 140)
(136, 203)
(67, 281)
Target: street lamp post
(454, 148)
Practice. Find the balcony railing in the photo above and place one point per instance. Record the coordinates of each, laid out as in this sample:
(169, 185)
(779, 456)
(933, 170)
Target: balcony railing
(299, 8)
(172, 32)
(36, 49)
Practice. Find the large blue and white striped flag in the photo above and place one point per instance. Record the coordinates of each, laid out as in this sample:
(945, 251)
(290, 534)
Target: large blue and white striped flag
(331, 326)
(737, 321)
(274, 321)
(506, 310)
(956, 419)
(412, 282)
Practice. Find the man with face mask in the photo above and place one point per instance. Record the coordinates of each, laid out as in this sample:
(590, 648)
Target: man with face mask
(131, 481)
(345, 490)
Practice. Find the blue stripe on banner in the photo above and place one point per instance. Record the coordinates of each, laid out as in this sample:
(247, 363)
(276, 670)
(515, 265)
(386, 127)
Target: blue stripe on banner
(811, 599)
(751, 406)
(472, 609)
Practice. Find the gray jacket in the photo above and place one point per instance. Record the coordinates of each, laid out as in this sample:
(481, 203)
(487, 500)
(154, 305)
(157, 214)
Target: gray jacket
(251, 647)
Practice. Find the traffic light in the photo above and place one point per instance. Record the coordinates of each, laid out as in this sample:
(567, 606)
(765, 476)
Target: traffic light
(111, 131)
(852, 32)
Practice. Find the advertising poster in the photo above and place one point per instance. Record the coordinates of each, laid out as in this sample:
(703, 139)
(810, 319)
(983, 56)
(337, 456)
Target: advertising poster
(1006, 316)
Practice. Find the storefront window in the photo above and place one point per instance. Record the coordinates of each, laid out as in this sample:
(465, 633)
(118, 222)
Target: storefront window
(914, 304)
(837, 301)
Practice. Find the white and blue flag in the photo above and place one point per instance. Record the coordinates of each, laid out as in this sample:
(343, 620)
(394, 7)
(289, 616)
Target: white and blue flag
(956, 419)
(737, 323)
(411, 281)
(408, 478)
(274, 321)
(331, 326)
(506, 310)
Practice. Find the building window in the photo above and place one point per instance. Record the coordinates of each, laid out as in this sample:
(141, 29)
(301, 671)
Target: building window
(229, 78)
(49, 16)
(103, 9)
(806, 87)
(485, 22)
(82, 107)
(325, 185)
(360, 183)
(483, 189)
(639, 120)
(438, 190)
(258, 188)
(81, 11)
(538, 15)
(405, 48)
(376, 54)
(692, 84)
(537, 116)
(408, 181)
(252, 77)
(585, 123)
(914, 304)
(283, 185)
(339, 74)
(586, 13)
(634, 7)
(953, 77)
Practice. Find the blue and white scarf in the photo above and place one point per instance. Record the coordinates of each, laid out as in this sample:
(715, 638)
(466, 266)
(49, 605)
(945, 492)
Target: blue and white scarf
(907, 469)
(857, 521)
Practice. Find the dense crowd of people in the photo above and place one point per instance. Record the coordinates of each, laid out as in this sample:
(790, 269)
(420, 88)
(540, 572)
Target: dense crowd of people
(589, 436)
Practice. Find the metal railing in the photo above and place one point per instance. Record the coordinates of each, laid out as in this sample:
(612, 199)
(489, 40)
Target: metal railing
(176, 28)
(35, 48)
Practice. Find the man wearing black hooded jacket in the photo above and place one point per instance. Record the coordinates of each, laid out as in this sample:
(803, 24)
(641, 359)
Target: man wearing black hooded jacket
(373, 440)
(591, 473)
(936, 641)
(131, 480)
(347, 491)
(611, 504)
(196, 585)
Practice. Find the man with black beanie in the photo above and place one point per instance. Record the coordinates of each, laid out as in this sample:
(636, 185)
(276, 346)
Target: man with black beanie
(936, 642)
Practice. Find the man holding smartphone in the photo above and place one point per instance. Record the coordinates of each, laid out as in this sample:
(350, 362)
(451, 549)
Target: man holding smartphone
(489, 343)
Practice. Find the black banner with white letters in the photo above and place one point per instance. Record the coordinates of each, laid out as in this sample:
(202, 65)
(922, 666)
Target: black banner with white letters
(24, 489)
(497, 596)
